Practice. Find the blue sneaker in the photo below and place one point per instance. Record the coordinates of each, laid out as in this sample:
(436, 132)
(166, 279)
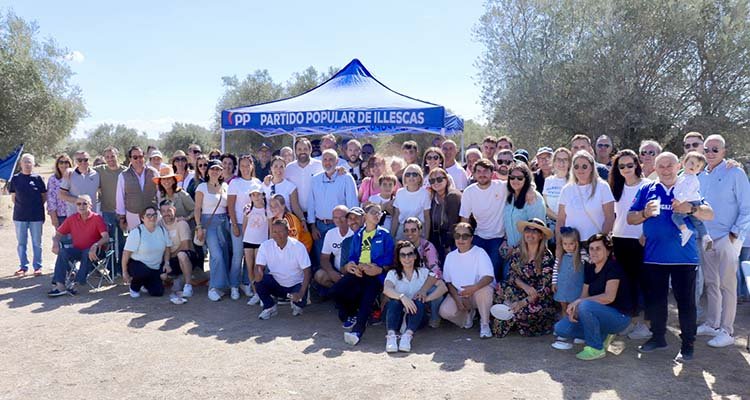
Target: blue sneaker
(349, 323)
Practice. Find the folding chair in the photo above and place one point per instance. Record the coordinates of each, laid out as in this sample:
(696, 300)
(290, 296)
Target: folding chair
(103, 268)
(745, 265)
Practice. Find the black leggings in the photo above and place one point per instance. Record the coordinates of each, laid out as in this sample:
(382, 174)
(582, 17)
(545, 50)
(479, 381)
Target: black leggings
(629, 253)
(141, 275)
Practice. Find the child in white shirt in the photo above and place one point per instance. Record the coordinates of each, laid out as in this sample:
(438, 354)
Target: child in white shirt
(687, 189)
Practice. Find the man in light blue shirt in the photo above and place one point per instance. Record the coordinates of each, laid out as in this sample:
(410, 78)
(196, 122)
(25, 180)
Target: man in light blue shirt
(327, 190)
(728, 190)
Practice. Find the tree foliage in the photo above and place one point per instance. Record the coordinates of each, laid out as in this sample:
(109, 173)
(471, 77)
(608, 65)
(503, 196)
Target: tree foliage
(182, 135)
(632, 69)
(38, 105)
(120, 137)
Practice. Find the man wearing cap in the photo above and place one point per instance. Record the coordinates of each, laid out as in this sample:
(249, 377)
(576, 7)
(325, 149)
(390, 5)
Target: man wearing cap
(521, 155)
(301, 171)
(544, 167)
(80, 180)
(330, 268)
(135, 190)
(456, 172)
(155, 159)
(262, 161)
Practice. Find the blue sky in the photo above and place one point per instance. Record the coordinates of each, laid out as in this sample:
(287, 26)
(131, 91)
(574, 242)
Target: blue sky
(149, 63)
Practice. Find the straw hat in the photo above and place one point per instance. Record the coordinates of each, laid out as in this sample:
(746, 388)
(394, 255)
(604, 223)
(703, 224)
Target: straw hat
(167, 172)
(178, 153)
(535, 223)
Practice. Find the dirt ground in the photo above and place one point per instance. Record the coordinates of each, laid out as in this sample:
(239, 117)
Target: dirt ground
(106, 345)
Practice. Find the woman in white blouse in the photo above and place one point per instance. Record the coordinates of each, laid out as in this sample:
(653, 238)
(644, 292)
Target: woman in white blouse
(276, 183)
(211, 211)
(403, 286)
(412, 200)
(586, 202)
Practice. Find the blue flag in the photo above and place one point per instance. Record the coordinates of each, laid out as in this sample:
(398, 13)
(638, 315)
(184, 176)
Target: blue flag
(8, 163)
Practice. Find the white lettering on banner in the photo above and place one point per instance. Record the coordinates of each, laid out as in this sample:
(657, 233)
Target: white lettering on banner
(336, 117)
(241, 119)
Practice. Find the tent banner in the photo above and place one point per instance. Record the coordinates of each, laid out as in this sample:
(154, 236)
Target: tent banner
(418, 118)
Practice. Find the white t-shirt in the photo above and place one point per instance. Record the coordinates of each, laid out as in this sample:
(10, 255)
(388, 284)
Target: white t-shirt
(210, 199)
(379, 200)
(621, 227)
(302, 178)
(405, 286)
(284, 188)
(148, 247)
(552, 188)
(584, 213)
(687, 188)
(241, 188)
(411, 204)
(332, 245)
(285, 265)
(186, 180)
(459, 176)
(464, 269)
(256, 231)
(178, 233)
(487, 206)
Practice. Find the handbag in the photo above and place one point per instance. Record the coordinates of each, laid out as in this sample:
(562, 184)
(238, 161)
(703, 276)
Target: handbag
(200, 241)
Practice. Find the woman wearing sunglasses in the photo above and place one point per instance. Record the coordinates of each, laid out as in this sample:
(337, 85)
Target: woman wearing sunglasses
(146, 251)
(405, 310)
(517, 207)
(57, 208)
(201, 170)
(181, 167)
(445, 203)
(411, 201)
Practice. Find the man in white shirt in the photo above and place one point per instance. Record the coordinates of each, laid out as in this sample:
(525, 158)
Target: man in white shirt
(288, 271)
(456, 172)
(300, 172)
(330, 270)
(485, 200)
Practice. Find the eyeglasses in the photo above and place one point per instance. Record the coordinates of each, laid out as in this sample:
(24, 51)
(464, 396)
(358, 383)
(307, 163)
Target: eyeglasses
(504, 162)
(195, 151)
(81, 160)
(375, 213)
(711, 149)
(648, 153)
(411, 230)
(64, 162)
(273, 189)
(136, 157)
(411, 174)
(463, 236)
(603, 145)
(82, 204)
(581, 166)
(150, 215)
(437, 179)
(408, 147)
(433, 157)
(626, 166)
(693, 145)
(182, 159)
(407, 255)
(516, 178)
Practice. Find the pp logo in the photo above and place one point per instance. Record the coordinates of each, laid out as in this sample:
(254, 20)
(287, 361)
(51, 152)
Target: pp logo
(238, 119)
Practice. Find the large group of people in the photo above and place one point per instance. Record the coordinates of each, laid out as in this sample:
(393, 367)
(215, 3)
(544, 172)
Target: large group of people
(579, 242)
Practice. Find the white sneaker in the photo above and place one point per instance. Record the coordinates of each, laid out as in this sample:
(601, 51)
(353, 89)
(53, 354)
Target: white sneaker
(686, 234)
(247, 290)
(296, 310)
(187, 290)
(268, 312)
(562, 345)
(235, 293)
(134, 294)
(579, 341)
(640, 332)
(214, 294)
(351, 338)
(405, 343)
(390, 344)
(470, 319)
(627, 330)
(722, 339)
(254, 300)
(485, 331)
(707, 330)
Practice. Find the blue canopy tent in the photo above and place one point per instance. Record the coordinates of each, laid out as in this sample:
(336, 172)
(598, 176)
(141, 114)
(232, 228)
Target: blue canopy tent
(352, 103)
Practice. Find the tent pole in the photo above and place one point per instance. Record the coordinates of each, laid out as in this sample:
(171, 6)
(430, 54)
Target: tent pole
(294, 145)
(463, 150)
(223, 133)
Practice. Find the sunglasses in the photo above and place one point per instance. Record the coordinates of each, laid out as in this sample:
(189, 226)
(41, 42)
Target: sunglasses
(407, 255)
(411, 175)
(603, 145)
(136, 157)
(626, 166)
(80, 160)
(504, 162)
(83, 204)
(648, 153)
(711, 149)
(581, 166)
(463, 236)
(194, 151)
(273, 189)
(64, 162)
(433, 158)
(438, 179)
(375, 213)
(202, 165)
(409, 147)
(183, 159)
(516, 178)
(150, 215)
(693, 145)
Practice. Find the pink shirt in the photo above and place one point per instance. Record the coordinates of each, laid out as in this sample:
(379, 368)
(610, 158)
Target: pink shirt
(429, 255)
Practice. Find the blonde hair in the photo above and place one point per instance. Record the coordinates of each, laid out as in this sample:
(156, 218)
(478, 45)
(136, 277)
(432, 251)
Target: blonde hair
(415, 168)
(592, 166)
(567, 232)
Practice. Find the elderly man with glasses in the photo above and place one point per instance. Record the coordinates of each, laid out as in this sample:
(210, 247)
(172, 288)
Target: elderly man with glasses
(80, 180)
(89, 234)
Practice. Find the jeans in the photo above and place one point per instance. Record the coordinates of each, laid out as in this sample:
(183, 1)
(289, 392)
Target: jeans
(22, 234)
(355, 296)
(595, 322)
(679, 219)
(269, 287)
(394, 312)
(318, 244)
(237, 270)
(741, 286)
(113, 225)
(143, 276)
(683, 289)
(217, 242)
(62, 265)
(492, 248)
(435, 305)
